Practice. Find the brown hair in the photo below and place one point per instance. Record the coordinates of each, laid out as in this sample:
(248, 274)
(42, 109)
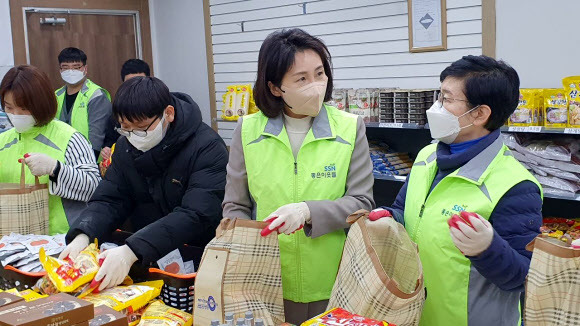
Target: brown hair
(31, 90)
(276, 57)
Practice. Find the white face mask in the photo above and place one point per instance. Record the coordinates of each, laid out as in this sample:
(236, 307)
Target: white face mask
(444, 125)
(153, 138)
(72, 76)
(22, 123)
(306, 100)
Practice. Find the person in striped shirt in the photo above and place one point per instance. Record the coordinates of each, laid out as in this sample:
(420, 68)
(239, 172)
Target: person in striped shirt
(52, 150)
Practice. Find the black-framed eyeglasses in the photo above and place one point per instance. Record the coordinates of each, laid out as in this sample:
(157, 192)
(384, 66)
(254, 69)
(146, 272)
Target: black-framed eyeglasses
(442, 99)
(139, 133)
(72, 68)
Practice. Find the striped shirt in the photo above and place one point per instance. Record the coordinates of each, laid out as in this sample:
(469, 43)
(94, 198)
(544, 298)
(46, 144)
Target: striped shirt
(79, 174)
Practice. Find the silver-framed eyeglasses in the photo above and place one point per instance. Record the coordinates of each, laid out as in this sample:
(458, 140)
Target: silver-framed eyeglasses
(441, 98)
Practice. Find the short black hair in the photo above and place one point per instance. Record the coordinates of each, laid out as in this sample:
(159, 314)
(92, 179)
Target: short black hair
(134, 66)
(487, 82)
(141, 98)
(277, 57)
(72, 55)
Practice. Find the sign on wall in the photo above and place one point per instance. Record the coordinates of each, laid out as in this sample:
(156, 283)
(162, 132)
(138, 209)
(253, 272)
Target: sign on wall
(427, 25)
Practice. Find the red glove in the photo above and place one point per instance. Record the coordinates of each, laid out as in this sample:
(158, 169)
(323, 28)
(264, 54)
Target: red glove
(378, 214)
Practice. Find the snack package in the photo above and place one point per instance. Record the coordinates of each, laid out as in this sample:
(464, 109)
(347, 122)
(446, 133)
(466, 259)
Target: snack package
(555, 108)
(243, 94)
(160, 314)
(30, 295)
(526, 110)
(557, 183)
(339, 99)
(172, 263)
(45, 286)
(127, 299)
(105, 316)
(68, 275)
(229, 107)
(359, 103)
(189, 267)
(572, 87)
(339, 316)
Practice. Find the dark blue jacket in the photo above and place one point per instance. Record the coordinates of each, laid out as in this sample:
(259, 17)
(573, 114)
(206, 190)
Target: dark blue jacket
(516, 219)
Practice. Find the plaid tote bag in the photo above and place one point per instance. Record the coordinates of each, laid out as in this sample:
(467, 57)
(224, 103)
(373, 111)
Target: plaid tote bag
(23, 208)
(240, 272)
(380, 275)
(553, 284)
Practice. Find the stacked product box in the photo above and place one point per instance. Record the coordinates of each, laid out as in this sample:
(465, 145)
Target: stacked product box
(405, 106)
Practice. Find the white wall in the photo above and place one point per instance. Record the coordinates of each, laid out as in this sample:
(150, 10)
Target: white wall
(540, 39)
(178, 37)
(6, 51)
(368, 41)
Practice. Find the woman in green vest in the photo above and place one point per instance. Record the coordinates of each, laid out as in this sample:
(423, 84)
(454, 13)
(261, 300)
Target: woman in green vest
(52, 150)
(475, 264)
(299, 163)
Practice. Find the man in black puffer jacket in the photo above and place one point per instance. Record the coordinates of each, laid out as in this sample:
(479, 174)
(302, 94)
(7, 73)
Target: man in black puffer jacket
(167, 178)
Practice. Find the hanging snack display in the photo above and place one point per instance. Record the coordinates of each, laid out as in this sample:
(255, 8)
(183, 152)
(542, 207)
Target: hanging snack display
(238, 101)
(572, 88)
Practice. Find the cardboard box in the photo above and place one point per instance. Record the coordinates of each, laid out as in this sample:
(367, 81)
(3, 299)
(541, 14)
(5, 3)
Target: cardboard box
(105, 316)
(86, 323)
(8, 299)
(57, 310)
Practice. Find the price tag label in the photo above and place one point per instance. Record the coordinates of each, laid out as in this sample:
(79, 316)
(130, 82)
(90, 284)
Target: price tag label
(534, 129)
(573, 131)
(517, 129)
(391, 125)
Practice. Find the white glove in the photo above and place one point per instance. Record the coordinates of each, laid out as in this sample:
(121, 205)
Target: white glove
(116, 265)
(40, 164)
(293, 216)
(74, 248)
(472, 241)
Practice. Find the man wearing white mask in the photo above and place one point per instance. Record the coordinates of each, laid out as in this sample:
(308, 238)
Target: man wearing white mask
(166, 180)
(81, 103)
(302, 165)
(470, 206)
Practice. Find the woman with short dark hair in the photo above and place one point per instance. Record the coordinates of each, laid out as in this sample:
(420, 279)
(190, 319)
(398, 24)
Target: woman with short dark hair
(299, 163)
(470, 206)
(52, 150)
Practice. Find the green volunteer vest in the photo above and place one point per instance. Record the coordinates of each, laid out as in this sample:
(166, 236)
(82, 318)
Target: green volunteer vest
(275, 178)
(80, 114)
(51, 140)
(476, 187)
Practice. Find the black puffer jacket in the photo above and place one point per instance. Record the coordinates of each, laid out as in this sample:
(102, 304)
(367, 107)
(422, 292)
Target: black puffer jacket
(171, 194)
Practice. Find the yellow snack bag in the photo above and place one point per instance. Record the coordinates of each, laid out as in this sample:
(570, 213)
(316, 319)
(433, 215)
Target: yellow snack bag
(68, 275)
(555, 108)
(161, 315)
(129, 298)
(524, 113)
(572, 87)
(229, 107)
(243, 99)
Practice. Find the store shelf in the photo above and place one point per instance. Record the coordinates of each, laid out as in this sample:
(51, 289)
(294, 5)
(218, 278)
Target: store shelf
(397, 178)
(395, 125)
(542, 130)
(573, 198)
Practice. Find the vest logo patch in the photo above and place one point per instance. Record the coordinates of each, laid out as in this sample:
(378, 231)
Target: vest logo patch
(456, 209)
(328, 172)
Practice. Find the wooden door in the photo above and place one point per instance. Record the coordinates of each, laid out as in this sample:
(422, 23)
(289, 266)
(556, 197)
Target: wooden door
(107, 40)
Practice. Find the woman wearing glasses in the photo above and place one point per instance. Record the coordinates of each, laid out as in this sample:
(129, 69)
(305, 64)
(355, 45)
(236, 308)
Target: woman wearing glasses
(470, 206)
(166, 180)
(52, 150)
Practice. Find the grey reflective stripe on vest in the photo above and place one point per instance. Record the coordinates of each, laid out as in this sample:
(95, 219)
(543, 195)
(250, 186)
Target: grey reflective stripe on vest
(85, 88)
(321, 125)
(96, 93)
(275, 125)
(13, 142)
(340, 140)
(61, 91)
(43, 140)
(474, 169)
(257, 140)
(508, 153)
(483, 189)
(432, 157)
(489, 305)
